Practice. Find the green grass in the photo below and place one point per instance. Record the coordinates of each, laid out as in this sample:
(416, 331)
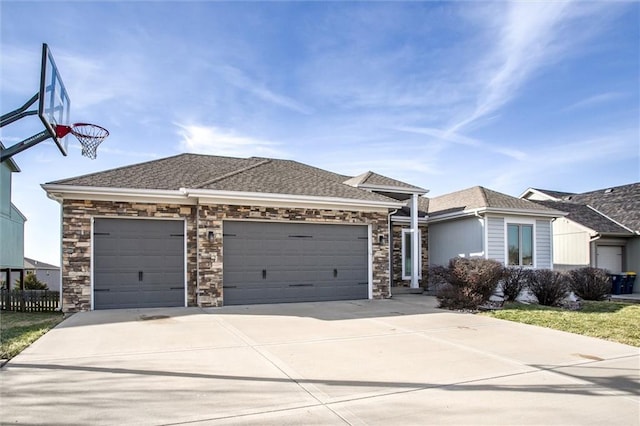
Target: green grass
(615, 321)
(20, 329)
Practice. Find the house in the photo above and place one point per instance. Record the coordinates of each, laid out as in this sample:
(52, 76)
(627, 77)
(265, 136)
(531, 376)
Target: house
(601, 229)
(200, 230)
(479, 222)
(44, 272)
(11, 223)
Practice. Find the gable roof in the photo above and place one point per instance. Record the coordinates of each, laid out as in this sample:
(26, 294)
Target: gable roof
(617, 208)
(480, 199)
(36, 264)
(371, 180)
(551, 195)
(207, 173)
(587, 216)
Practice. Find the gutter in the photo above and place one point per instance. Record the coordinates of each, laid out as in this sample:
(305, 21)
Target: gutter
(252, 197)
(59, 192)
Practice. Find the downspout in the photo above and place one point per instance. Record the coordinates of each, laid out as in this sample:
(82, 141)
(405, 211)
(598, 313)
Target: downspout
(198, 251)
(390, 242)
(592, 250)
(415, 242)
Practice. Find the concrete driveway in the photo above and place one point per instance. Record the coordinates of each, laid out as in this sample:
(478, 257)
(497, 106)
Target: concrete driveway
(387, 362)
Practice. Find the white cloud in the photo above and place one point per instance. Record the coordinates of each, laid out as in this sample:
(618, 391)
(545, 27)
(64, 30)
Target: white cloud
(595, 100)
(527, 41)
(216, 141)
(240, 80)
(459, 139)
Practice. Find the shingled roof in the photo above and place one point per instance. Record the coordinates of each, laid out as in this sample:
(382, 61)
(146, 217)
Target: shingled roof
(479, 197)
(617, 206)
(207, 172)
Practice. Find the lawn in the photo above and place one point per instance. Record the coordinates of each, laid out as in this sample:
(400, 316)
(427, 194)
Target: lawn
(19, 329)
(613, 321)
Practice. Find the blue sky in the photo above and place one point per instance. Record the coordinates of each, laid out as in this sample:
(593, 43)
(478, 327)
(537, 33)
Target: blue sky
(444, 95)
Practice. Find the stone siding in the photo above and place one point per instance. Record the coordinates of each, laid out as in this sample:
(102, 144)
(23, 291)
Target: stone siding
(204, 273)
(397, 255)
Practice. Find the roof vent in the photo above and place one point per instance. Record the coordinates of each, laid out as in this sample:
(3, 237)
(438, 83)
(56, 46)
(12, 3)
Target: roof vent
(608, 191)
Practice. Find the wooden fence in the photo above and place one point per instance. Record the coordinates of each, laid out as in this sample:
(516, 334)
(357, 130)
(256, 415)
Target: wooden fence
(29, 300)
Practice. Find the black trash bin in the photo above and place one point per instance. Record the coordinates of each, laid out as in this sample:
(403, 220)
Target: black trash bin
(630, 279)
(617, 283)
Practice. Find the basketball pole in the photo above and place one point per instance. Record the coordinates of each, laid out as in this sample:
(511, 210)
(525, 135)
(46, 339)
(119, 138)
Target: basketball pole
(19, 113)
(16, 115)
(5, 154)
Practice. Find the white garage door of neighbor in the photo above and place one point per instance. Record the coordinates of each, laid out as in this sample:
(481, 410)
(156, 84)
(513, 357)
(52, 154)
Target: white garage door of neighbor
(609, 258)
(138, 263)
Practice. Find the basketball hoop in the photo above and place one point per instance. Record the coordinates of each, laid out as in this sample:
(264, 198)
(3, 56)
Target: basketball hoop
(89, 135)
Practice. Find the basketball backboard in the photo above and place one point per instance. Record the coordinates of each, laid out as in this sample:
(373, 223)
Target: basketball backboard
(54, 105)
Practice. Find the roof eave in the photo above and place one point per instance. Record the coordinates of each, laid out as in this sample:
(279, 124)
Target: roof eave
(492, 210)
(394, 189)
(189, 196)
(217, 196)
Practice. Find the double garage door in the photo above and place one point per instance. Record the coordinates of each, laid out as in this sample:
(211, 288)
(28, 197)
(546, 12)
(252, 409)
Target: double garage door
(141, 263)
(284, 262)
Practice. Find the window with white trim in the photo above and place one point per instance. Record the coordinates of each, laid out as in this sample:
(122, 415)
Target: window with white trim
(520, 244)
(407, 259)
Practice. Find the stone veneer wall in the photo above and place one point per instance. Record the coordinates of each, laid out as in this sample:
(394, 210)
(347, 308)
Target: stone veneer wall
(397, 256)
(205, 290)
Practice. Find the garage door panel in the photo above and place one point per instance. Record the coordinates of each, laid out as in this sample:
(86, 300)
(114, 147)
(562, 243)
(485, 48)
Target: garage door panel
(138, 263)
(303, 262)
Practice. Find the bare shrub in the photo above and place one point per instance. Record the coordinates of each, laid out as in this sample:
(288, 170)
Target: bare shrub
(549, 287)
(590, 283)
(469, 282)
(514, 281)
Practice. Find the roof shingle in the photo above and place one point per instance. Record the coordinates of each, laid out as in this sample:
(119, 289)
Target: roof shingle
(195, 171)
(479, 197)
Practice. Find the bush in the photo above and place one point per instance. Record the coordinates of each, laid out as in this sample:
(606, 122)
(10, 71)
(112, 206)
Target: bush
(468, 283)
(549, 287)
(437, 276)
(590, 283)
(514, 281)
(31, 282)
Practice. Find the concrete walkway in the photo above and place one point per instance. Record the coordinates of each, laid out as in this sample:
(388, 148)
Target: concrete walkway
(387, 362)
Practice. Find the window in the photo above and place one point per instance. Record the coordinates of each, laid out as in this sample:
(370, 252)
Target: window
(407, 262)
(520, 244)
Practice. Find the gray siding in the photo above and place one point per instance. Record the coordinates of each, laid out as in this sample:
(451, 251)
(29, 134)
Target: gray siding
(12, 241)
(543, 245)
(462, 237)
(495, 238)
(632, 260)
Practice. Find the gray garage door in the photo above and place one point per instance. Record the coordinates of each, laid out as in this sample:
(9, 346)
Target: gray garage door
(282, 262)
(138, 263)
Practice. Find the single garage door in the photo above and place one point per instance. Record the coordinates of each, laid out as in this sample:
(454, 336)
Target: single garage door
(284, 262)
(138, 263)
(609, 258)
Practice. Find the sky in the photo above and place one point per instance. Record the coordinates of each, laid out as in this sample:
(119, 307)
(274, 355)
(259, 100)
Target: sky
(442, 95)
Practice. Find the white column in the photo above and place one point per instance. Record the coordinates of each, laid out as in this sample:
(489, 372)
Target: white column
(415, 242)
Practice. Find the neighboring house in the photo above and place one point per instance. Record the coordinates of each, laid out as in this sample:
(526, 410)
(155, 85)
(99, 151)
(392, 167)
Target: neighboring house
(479, 222)
(602, 228)
(44, 272)
(11, 221)
(198, 230)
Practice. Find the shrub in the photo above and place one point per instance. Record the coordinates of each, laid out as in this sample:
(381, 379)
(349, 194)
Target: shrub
(514, 281)
(31, 282)
(469, 282)
(590, 283)
(437, 276)
(549, 287)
